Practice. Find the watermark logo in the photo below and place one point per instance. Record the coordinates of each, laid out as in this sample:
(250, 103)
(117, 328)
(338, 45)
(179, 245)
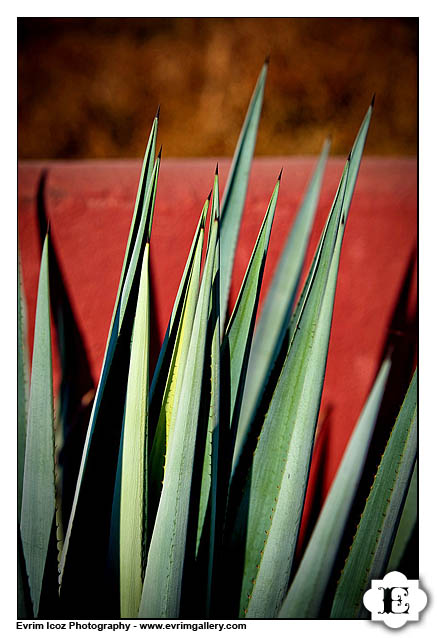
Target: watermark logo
(395, 600)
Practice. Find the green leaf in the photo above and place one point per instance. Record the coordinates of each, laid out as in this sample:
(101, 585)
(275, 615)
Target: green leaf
(273, 488)
(281, 461)
(260, 472)
(276, 312)
(22, 387)
(162, 582)
(38, 502)
(133, 503)
(238, 335)
(207, 514)
(372, 544)
(107, 415)
(308, 588)
(235, 191)
(162, 367)
(140, 202)
(182, 325)
(354, 165)
(406, 525)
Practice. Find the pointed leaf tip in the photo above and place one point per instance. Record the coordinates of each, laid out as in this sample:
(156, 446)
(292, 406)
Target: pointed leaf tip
(372, 103)
(216, 169)
(209, 196)
(267, 60)
(160, 153)
(157, 112)
(280, 174)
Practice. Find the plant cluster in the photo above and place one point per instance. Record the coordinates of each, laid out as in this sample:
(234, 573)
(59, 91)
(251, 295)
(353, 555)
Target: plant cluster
(189, 495)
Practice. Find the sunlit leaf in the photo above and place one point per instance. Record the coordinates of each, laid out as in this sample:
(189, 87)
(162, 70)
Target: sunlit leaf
(133, 502)
(163, 577)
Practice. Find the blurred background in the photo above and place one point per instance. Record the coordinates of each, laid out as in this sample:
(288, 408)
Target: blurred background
(89, 87)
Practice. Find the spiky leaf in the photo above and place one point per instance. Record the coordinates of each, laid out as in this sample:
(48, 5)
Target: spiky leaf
(133, 503)
(38, 502)
(306, 593)
(406, 525)
(163, 577)
(372, 544)
(277, 308)
(235, 191)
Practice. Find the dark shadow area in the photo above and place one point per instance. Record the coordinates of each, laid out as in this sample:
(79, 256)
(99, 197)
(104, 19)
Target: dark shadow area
(76, 391)
(24, 601)
(49, 605)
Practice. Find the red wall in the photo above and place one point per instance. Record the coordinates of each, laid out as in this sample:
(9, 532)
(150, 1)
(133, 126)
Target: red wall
(90, 206)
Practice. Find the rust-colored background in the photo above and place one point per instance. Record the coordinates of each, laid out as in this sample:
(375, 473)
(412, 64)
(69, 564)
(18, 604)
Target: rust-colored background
(89, 87)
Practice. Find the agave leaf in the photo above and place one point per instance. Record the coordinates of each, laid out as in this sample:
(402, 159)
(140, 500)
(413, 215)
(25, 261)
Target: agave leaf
(257, 481)
(107, 415)
(355, 157)
(281, 460)
(406, 525)
(235, 191)
(372, 544)
(133, 503)
(276, 312)
(38, 500)
(212, 374)
(163, 577)
(140, 204)
(22, 387)
(270, 508)
(189, 290)
(202, 528)
(238, 336)
(305, 596)
(162, 367)
(209, 481)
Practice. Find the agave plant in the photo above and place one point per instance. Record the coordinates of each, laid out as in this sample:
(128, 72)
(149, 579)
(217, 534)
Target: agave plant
(193, 475)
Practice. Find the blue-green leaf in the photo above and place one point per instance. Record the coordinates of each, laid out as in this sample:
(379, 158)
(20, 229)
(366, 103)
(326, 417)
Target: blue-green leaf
(235, 192)
(406, 525)
(276, 311)
(238, 336)
(270, 506)
(38, 501)
(207, 516)
(372, 544)
(308, 588)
